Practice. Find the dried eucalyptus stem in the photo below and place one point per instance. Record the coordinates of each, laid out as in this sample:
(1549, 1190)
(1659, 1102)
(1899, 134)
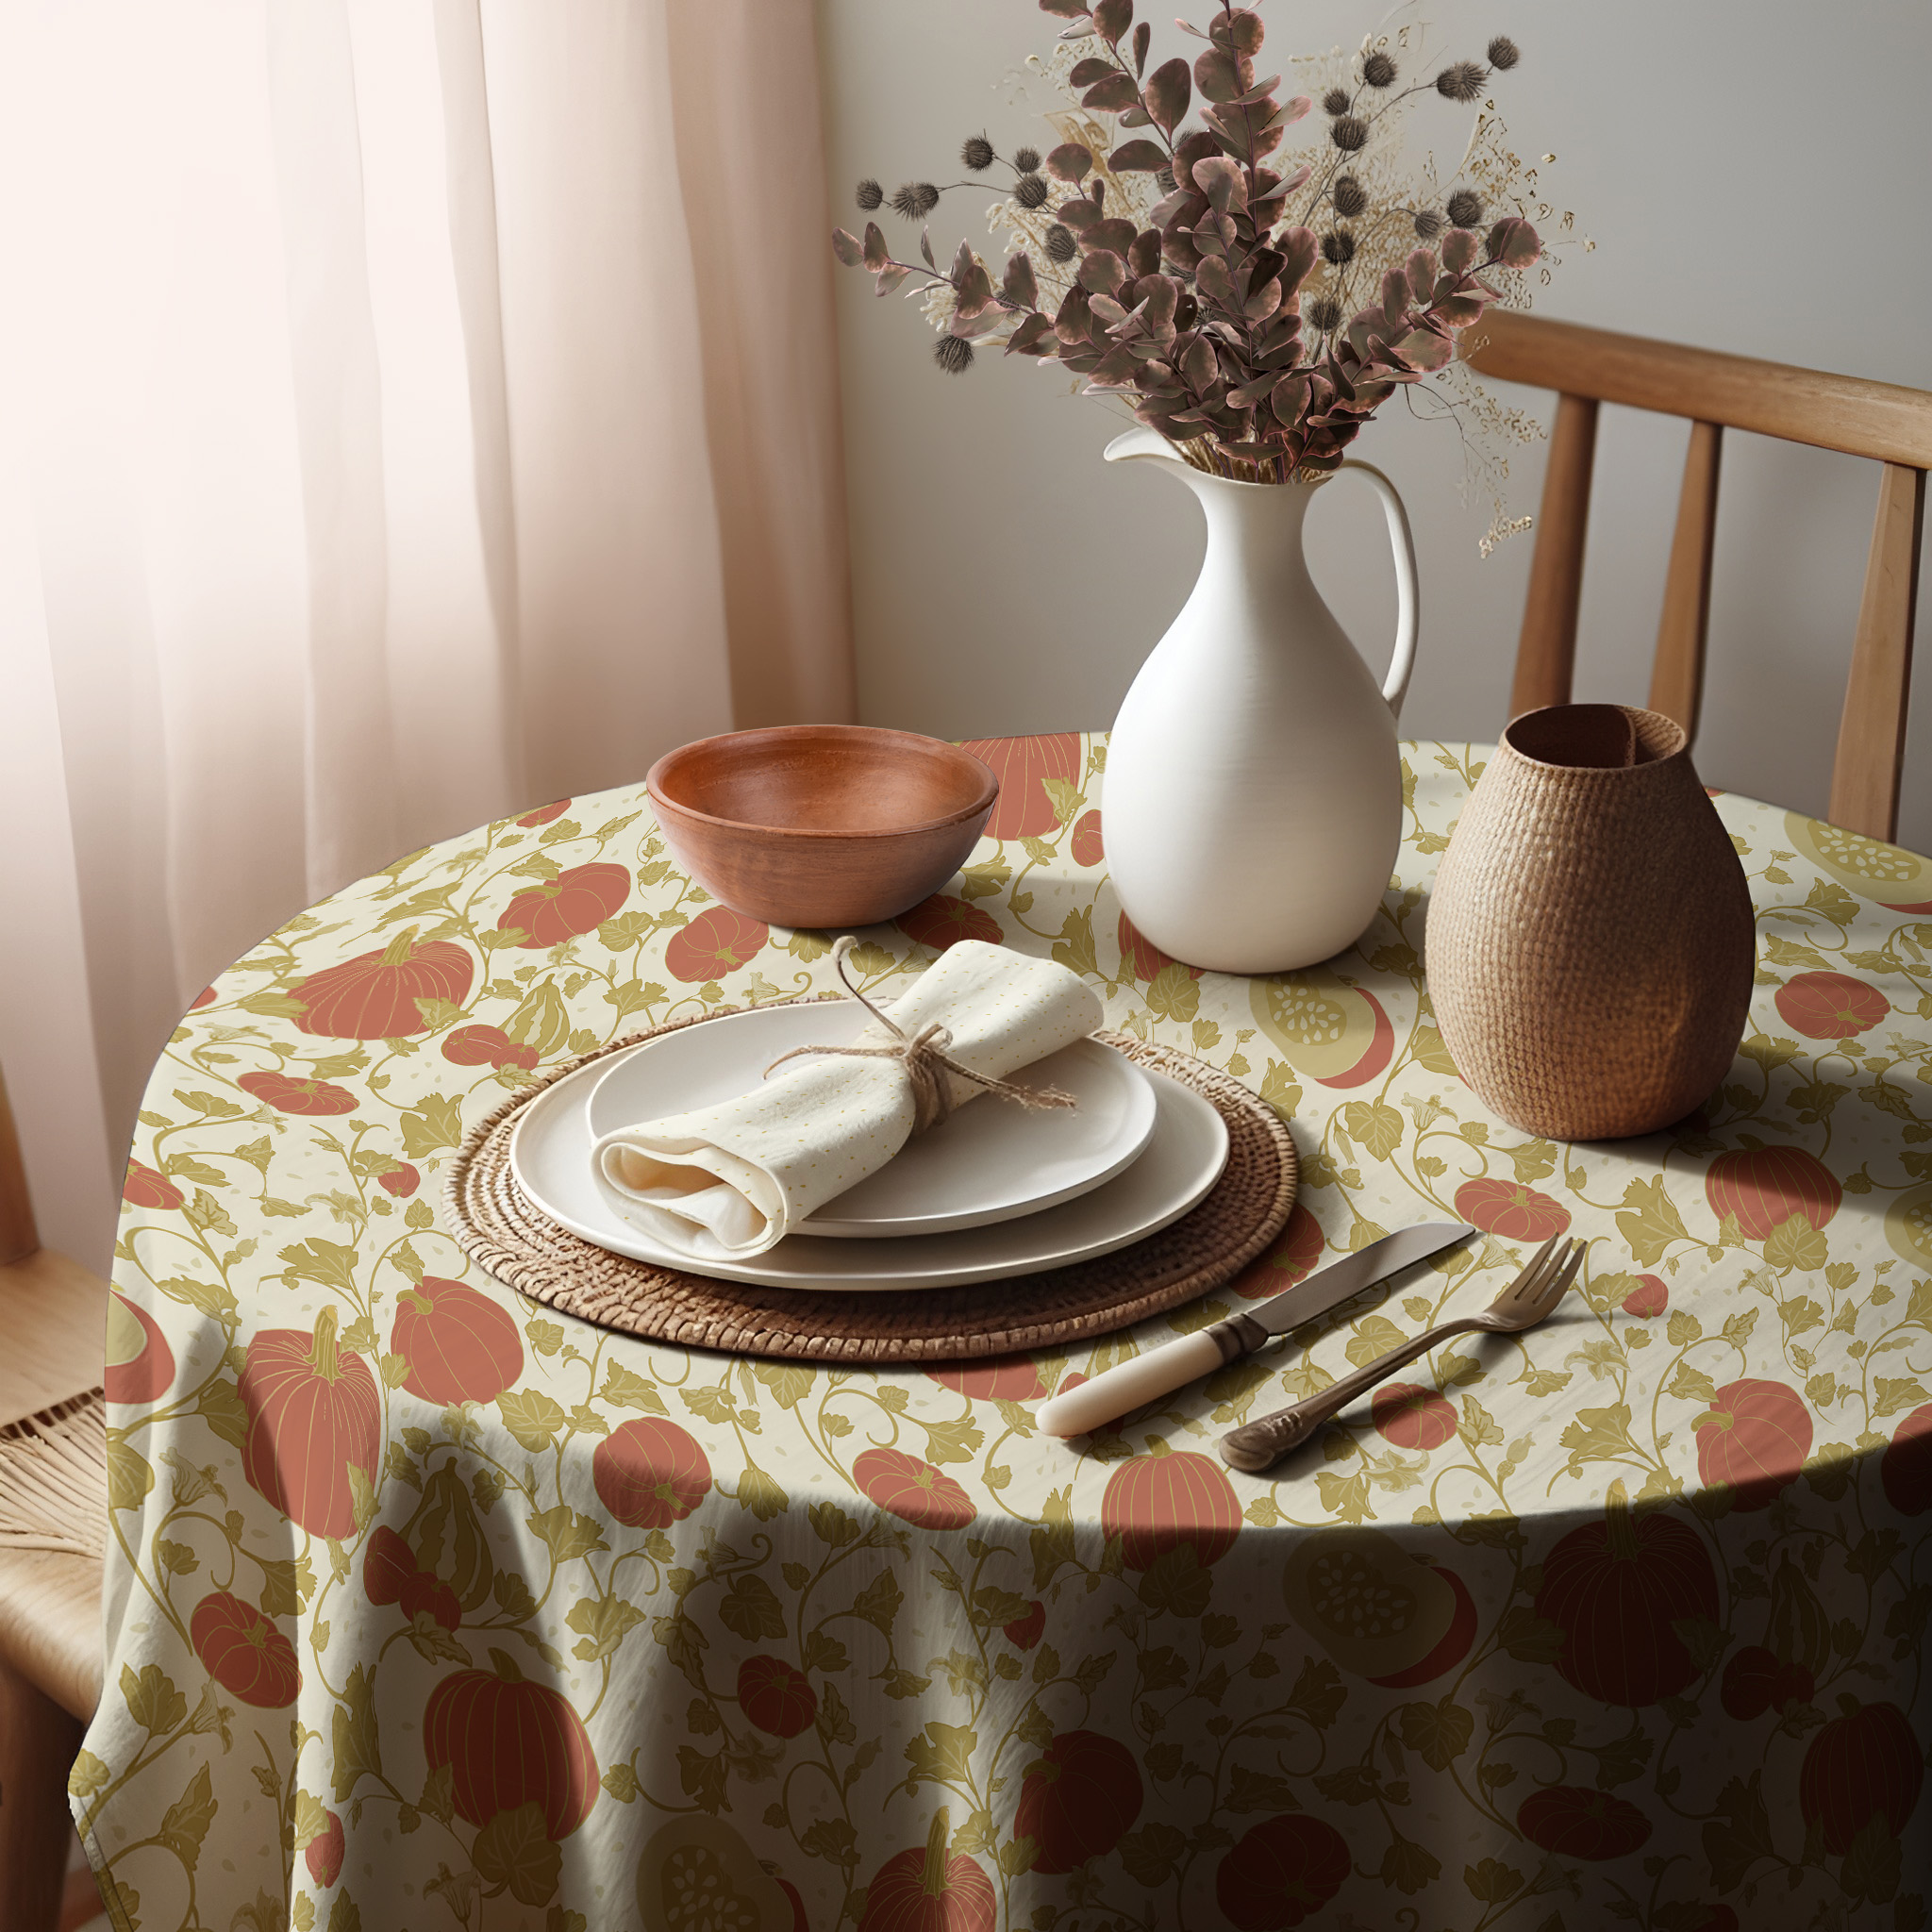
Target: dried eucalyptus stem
(1197, 318)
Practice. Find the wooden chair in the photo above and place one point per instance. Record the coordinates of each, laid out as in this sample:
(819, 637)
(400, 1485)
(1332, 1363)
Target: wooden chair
(53, 1316)
(1890, 426)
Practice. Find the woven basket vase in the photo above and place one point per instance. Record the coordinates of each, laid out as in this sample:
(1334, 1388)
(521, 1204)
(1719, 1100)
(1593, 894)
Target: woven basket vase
(1590, 938)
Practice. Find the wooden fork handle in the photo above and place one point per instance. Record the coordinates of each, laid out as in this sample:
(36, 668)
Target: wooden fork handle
(1256, 1446)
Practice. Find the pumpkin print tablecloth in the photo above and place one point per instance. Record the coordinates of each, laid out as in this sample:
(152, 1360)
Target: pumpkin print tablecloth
(429, 1608)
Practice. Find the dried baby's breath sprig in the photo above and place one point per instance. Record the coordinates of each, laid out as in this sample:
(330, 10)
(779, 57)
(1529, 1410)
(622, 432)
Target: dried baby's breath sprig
(870, 194)
(1461, 81)
(1503, 53)
(953, 354)
(1379, 69)
(1465, 207)
(1349, 197)
(977, 154)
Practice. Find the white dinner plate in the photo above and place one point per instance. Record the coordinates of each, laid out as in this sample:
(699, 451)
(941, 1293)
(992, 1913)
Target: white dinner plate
(990, 1162)
(550, 1153)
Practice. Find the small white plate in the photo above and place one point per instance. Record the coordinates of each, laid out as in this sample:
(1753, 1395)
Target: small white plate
(550, 1153)
(990, 1162)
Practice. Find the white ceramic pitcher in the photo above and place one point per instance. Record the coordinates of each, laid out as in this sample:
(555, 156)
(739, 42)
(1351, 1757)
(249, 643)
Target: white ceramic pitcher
(1254, 789)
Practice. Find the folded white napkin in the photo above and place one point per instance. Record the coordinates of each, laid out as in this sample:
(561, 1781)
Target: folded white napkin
(728, 1181)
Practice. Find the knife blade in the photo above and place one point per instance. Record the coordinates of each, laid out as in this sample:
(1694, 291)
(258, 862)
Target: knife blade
(1128, 1385)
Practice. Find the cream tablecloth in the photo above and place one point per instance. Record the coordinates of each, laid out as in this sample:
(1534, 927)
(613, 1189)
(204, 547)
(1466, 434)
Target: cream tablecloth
(430, 1610)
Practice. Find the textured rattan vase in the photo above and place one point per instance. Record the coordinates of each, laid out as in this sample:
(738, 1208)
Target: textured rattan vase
(1589, 939)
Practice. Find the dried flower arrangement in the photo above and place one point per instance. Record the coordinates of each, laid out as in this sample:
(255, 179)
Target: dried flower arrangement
(1255, 316)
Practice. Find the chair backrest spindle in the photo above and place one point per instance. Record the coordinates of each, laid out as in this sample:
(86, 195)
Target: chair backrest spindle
(1879, 421)
(1677, 672)
(19, 1237)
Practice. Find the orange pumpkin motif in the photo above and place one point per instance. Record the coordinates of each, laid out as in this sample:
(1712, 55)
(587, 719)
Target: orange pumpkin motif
(486, 1047)
(1509, 1211)
(1755, 1679)
(1155, 1503)
(1651, 1296)
(388, 1564)
(942, 921)
(140, 1364)
(1087, 845)
(576, 901)
(1618, 1590)
(1027, 1630)
(374, 996)
(1014, 1378)
(313, 1414)
(401, 1180)
(1577, 1824)
(507, 1742)
(146, 1187)
(287, 1095)
(460, 1346)
(325, 1852)
(650, 1474)
(1140, 958)
(1077, 1800)
(1862, 1766)
(1904, 1470)
(1294, 1254)
(1281, 1873)
(1765, 1186)
(243, 1652)
(1830, 1005)
(1024, 808)
(717, 941)
(545, 814)
(1754, 1436)
(1412, 1417)
(912, 1490)
(776, 1699)
(925, 1890)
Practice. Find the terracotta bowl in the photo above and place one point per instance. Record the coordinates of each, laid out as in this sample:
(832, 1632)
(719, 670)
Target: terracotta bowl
(824, 825)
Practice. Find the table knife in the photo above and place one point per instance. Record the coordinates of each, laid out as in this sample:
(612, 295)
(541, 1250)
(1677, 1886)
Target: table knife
(1128, 1385)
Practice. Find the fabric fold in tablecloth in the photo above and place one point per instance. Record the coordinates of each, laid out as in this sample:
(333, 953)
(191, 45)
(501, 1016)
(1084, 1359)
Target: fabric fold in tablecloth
(730, 1180)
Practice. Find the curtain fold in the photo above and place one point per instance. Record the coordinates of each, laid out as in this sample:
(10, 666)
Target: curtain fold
(410, 410)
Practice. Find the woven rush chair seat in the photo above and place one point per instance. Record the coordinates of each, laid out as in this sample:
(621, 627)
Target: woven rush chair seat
(53, 1517)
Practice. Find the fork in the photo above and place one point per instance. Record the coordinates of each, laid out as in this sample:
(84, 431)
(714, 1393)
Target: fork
(1524, 1303)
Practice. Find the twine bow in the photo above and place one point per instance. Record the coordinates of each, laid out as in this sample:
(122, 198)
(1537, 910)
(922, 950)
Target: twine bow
(926, 1061)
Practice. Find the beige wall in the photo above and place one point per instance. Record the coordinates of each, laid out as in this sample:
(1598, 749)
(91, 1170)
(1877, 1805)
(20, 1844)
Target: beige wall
(1754, 178)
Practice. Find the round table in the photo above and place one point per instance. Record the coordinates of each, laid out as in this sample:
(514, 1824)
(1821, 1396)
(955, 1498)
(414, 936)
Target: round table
(1619, 1618)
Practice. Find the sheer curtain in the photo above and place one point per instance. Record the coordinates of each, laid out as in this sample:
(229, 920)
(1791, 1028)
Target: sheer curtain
(410, 410)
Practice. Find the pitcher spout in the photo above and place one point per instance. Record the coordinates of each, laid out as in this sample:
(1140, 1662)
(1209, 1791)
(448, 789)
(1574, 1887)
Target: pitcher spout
(1141, 442)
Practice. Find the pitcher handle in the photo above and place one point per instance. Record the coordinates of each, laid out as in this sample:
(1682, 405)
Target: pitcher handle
(1407, 598)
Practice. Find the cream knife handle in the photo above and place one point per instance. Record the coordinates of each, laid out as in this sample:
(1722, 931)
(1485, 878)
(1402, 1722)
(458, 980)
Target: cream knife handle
(1147, 1377)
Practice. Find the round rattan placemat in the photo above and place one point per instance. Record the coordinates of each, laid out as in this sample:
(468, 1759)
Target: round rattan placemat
(495, 1224)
